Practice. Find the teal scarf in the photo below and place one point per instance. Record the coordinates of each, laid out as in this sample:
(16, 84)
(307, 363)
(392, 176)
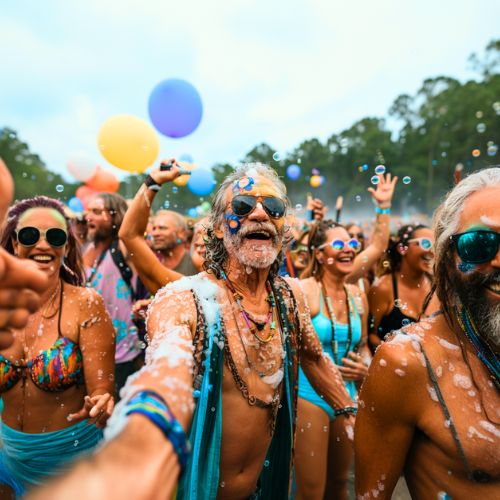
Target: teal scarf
(201, 477)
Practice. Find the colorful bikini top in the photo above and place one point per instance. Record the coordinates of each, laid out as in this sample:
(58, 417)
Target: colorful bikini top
(53, 370)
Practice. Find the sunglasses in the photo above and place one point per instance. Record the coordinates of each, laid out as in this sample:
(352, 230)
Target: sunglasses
(477, 247)
(340, 244)
(423, 243)
(243, 205)
(357, 236)
(30, 236)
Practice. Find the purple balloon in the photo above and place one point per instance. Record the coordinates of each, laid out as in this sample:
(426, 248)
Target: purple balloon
(175, 108)
(293, 171)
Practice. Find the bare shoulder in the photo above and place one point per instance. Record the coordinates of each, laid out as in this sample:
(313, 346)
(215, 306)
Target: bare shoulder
(381, 284)
(84, 298)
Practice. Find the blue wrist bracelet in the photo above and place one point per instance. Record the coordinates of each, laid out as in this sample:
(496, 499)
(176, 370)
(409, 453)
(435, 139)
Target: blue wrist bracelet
(155, 409)
(348, 410)
(382, 211)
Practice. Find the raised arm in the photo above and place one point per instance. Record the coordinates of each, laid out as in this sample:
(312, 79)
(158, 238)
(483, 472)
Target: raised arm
(382, 195)
(139, 448)
(387, 415)
(152, 273)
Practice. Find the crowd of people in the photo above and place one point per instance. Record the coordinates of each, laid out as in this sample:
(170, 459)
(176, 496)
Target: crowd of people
(254, 354)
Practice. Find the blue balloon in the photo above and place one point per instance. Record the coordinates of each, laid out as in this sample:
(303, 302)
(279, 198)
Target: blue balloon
(75, 204)
(186, 158)
(293, 172)
(201, 182)
(175, 108)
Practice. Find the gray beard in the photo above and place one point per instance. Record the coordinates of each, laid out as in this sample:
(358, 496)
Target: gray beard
(233, 243)
(485, 313)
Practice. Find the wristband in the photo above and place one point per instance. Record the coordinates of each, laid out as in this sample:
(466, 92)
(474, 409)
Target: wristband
(150, 183)
(348, 410)
(383, 211)
(155, 409)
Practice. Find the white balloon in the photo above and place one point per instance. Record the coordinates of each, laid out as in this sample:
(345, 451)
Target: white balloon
(81, 166)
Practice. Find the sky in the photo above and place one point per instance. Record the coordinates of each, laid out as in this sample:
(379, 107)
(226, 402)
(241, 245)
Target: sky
(267, 71)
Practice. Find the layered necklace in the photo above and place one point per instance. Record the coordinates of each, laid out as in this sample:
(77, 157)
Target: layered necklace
(259, 326)
(274, 403)
(483, 350)
(328, 300)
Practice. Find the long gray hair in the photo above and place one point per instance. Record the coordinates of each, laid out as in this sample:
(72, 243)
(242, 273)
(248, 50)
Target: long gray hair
(216, 253)
(445, 223)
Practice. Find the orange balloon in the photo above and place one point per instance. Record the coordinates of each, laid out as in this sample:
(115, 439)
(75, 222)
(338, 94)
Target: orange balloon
(182, 180)
(84, 194)
(103, 181)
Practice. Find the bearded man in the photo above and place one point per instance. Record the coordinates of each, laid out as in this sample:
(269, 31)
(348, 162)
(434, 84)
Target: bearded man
(430, 404)
(222, 366)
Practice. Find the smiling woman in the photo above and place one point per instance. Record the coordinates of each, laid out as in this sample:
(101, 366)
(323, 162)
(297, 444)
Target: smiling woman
(57, 376)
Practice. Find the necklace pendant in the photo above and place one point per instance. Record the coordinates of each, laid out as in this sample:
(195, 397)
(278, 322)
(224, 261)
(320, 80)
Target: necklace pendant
(273, 325)
(335, 346)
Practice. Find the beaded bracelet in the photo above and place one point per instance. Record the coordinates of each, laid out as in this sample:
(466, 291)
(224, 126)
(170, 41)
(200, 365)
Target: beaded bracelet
(382, 211)
(348, 410)
(150, 183)
(155, 409)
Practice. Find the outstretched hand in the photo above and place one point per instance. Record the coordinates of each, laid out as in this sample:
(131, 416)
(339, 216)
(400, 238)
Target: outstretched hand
(384, 191)
(20, 280)
(97, 409)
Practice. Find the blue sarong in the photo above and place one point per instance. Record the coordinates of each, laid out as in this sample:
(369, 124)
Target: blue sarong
(27, 459)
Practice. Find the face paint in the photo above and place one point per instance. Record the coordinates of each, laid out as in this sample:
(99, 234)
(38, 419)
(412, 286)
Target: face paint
(464, 267)
(243, 184)
(233, 222)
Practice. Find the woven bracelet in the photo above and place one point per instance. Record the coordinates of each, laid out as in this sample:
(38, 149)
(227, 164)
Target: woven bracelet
(155, 409)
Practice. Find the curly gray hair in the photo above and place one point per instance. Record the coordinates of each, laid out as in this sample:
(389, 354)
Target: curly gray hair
(216, 253)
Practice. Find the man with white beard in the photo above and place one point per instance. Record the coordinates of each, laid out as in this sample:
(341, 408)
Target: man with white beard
(430, 404)
(222, 366)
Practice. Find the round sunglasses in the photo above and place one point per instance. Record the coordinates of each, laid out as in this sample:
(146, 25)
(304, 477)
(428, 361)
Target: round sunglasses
(423, 243)
(353, 244)
(477, 247)
(29, 236)
(242, 205)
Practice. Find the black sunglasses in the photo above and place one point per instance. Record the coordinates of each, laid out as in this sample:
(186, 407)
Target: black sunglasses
(477, 247)
(243, 205)
(29, 236)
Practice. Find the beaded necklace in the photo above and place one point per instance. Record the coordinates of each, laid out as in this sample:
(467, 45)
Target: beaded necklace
(484, 352)
(335, 346)
(246, 317)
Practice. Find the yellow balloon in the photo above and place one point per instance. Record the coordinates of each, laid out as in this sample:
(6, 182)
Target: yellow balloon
(128, 143)
(315, 181)
(182, 180)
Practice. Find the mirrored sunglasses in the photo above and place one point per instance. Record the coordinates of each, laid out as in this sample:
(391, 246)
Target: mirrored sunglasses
(29, 236)
(353, 244)
(423, 243)
(243, 205)
(477, 247)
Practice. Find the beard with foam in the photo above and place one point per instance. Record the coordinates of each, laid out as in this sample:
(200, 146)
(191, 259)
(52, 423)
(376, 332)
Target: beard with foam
(469, 288)
(255, 255)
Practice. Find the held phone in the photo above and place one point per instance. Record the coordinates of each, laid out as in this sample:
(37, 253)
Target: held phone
(168, 166)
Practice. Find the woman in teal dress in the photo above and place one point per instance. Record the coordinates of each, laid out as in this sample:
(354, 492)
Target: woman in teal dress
(339, 315)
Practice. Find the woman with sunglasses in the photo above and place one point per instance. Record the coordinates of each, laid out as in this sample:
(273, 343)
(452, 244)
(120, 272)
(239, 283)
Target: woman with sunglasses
(57, 376)
(339, 315)
(397, 298)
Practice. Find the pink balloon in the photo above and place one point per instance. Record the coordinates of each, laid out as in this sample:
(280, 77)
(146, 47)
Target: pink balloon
(103, 181)
(84, 194)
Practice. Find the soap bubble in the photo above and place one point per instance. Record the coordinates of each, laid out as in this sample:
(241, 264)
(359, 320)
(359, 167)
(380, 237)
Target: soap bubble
(59, 188)
(476, 153)
(380, 169)
(479, 114)
(481, 127)
(276, 156)
(375, 180)
(406, 179)
(358, 198)
(492, 150)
